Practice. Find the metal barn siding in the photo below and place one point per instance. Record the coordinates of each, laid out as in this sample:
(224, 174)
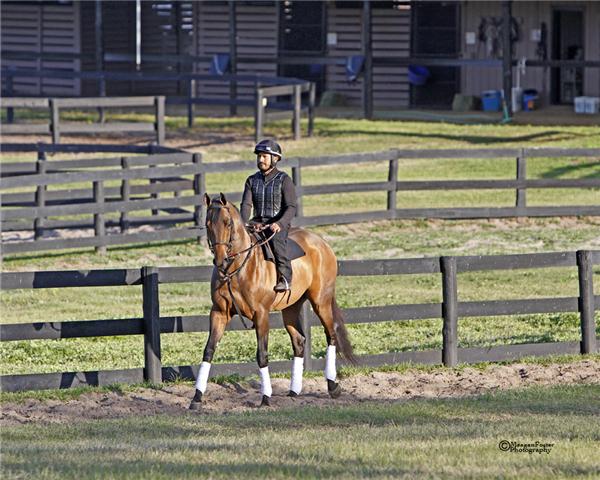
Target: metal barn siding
(591, 82)
(257, 30)
(390, 35)
(346, 24)
(42, 28)
(257, 36)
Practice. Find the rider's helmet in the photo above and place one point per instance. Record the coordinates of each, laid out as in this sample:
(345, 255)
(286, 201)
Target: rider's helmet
(269, 146)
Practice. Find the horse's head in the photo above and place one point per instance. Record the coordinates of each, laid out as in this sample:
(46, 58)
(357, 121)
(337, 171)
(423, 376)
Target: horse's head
(222, 228)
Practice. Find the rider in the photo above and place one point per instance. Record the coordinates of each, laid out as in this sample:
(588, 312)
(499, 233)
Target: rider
(272, 194)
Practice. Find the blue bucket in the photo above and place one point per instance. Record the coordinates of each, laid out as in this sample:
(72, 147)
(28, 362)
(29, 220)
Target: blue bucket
(418, 75)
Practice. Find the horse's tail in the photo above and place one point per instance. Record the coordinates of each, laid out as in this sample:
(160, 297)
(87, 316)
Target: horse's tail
(343, 342)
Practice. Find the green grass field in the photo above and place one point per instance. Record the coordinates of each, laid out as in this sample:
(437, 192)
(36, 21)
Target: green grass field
(393, 239)
(452, 439)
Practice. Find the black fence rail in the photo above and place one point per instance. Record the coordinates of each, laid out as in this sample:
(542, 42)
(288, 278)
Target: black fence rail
(152, 325)
(257, 82)
(55, 126)
(120, 186)
(31, 209)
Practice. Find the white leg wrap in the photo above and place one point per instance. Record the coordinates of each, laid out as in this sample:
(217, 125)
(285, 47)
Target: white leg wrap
(202, 378)
(265, 382)
(330, 372)
(297, 371)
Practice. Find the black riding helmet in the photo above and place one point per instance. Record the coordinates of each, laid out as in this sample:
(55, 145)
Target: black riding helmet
(268, 146)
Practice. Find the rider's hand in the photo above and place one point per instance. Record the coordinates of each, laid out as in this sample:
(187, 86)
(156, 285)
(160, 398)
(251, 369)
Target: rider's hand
(256, 226)
(275, 227)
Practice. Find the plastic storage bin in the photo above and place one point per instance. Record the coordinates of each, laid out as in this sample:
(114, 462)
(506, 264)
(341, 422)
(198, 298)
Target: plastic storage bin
(589, 105)
(531, 100)
(491, 100)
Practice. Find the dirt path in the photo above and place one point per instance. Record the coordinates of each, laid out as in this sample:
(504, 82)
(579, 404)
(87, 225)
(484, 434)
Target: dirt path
(237, 397)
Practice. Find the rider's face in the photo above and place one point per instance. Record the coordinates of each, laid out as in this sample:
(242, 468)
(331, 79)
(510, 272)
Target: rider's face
(263, 161)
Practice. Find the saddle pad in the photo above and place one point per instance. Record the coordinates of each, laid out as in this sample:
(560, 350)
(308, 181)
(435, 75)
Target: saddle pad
(294, 250)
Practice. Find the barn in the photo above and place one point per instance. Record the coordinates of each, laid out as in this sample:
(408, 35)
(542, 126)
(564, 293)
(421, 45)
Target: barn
(357, 52)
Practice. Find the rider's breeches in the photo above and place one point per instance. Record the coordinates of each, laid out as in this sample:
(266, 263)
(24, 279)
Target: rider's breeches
(282, 261)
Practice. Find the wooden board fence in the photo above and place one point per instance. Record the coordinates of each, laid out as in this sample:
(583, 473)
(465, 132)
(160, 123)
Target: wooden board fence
(34, 207)
(152, 325)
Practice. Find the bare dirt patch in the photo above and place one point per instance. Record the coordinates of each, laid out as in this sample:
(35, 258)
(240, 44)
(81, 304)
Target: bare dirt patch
(237, 397)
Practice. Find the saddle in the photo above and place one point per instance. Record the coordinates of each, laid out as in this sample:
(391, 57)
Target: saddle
(294, 250)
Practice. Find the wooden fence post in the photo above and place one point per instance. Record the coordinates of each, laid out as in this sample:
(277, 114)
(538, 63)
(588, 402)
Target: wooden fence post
(199, 191)
(393, 181)
(304, 319)
(521, 201)
(99, 226)
(586, 301)
(259, 115)
(449, 312)
(297, 179)
(54, 120)
(10, 111)
(152, 354)
(297, 111)
(312, 96)
(159, 103)
(40, 196)
(125, 195)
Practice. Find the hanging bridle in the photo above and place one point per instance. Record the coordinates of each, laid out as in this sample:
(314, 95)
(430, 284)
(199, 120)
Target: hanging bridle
(226, 276)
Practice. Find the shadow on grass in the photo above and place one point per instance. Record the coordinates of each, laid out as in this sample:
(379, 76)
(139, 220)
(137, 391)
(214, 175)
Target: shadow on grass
(584, 170)
(476, 140)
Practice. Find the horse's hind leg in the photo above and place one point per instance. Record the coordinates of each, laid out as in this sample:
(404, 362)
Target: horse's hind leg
(323, 307)
(218, 321)
(291, 320)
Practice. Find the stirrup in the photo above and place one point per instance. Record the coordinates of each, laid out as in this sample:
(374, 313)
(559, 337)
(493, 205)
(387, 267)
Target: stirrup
(283, 285)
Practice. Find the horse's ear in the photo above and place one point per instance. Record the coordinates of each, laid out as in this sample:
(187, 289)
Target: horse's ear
(206, 200)
(223, 199)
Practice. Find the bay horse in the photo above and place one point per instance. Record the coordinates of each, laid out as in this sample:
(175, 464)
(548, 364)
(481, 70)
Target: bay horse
(243, 282)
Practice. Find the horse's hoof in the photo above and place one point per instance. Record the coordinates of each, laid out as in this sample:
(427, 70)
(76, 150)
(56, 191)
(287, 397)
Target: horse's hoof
(292, 394)
(266, 401)
(334, 389)
(196, 401)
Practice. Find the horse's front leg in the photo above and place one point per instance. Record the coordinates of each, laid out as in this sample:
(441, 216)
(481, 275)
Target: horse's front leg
(218, 321)
(261, 323)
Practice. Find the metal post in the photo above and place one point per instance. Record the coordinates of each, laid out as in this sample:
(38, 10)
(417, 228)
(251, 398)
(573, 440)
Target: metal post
(40, 196)
(507, 56)
(54, 120)
(449, 312)
(232, 56)
(521, 201)
(125, 196)
(259, 114)
(190, 103)
(393, 182)
(297, 111)
(368, 65)
(99, 226)
(199, 191)
(586, 301)
(159, 103)
(297, 179)
(312, 96)
(99, 56)
(152, 353)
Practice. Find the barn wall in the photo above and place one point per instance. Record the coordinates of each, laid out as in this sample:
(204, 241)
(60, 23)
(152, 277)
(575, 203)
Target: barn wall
(253, 39)
(42, 28)
(529, 15)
